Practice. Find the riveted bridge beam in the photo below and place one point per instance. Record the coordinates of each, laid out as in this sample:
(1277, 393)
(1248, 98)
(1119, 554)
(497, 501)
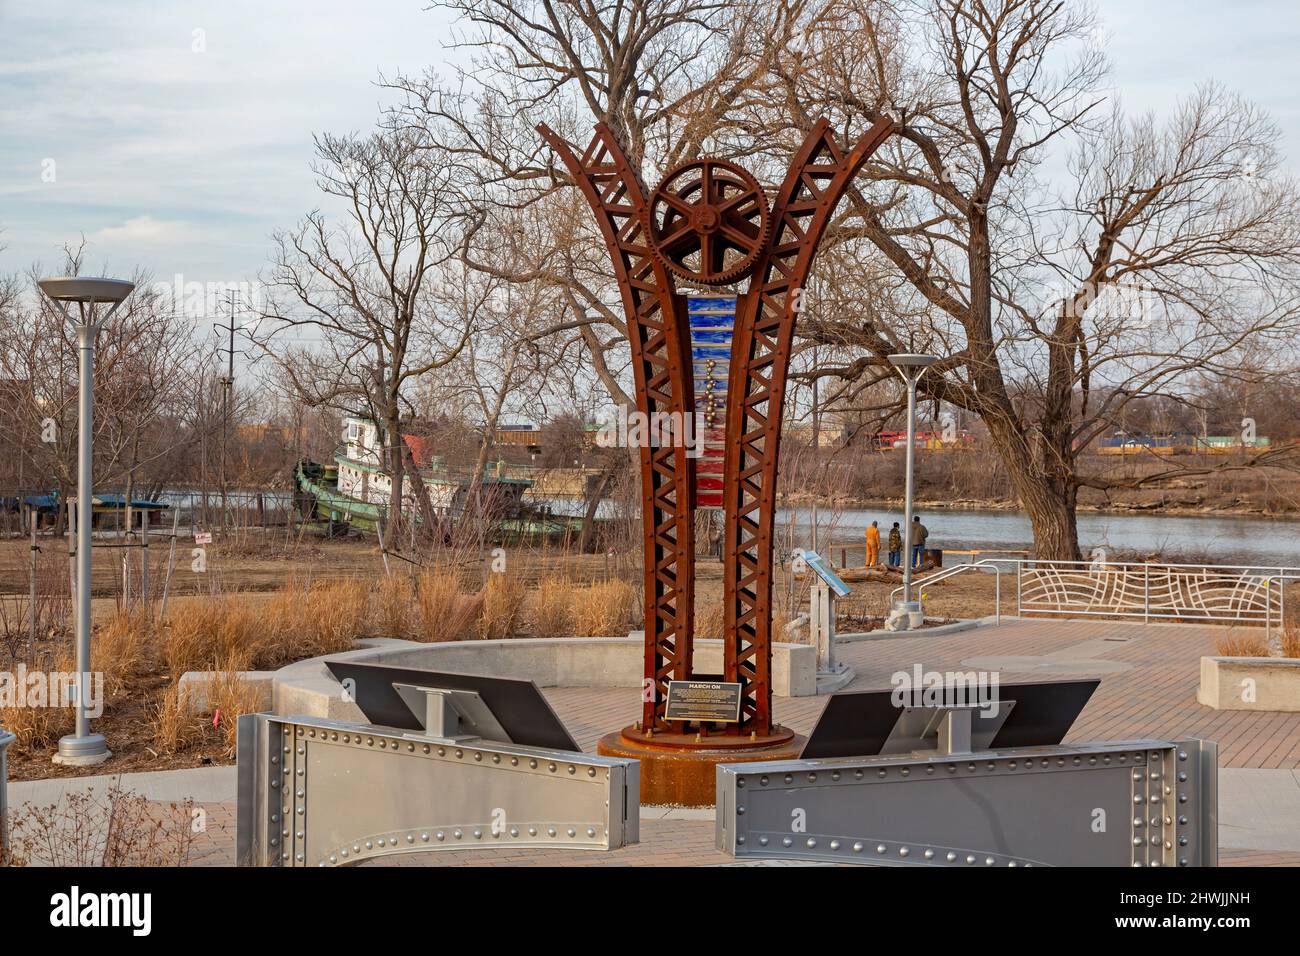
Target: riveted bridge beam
(316, 792)
(1118, 803)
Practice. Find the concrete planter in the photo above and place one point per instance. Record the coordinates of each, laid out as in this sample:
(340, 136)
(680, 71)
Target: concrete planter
(1250, 683)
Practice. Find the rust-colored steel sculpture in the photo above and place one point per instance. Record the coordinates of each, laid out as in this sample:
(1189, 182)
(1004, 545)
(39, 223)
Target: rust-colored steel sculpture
(660, 342)
(709, 223)
(817, 179)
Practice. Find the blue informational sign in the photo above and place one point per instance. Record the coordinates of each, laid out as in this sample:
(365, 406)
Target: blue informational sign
(824, 571)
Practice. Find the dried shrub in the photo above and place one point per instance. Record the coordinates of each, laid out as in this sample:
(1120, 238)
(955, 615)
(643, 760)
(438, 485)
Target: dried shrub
(445, 613)
(229, 698)
(244, 634)
(335, 613)
(709, 619)
(604, 608)
(1290, 638)
(38, 727)
(172, 725)
(122, 648)
(551, 606)
(393, 606)
(1234, 643)
(117, 828)
(502, 598)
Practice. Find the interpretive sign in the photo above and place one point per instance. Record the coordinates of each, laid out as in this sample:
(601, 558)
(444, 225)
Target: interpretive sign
(703, 700)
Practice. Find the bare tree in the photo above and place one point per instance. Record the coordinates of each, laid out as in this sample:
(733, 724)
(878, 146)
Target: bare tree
(1164, 252)
(366, 292)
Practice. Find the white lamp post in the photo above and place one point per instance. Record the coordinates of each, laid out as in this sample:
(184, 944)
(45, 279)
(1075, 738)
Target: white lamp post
(89, 295)
(910, 368)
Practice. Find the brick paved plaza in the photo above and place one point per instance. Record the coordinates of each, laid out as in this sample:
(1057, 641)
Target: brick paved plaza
(1148, 686)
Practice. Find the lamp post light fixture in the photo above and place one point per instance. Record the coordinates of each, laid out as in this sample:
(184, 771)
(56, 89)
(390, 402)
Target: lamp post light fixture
(910, 368)
(90, 296)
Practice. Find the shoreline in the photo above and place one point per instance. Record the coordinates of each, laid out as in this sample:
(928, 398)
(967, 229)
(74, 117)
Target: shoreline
(970, 504)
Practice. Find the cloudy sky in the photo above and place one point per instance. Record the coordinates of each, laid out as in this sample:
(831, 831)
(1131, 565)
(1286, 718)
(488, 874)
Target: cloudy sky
(175, 134)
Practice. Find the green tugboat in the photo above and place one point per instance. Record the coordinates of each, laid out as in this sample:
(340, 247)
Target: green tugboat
(355, 489)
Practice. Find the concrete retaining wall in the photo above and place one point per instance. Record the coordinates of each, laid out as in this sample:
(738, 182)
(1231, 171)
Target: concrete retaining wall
(307, 688)
(1250, 683)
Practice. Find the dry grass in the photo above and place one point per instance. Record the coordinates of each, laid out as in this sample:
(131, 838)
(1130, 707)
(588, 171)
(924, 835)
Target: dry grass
(231, 697)
(39, 727)
(1234, 643)
(331, 618)
(1290, 638)
(603, 609)
(503, 597)
(551, 606)
(444, 613)
(173, 726)
(235, 631)
(709, 619)
(122, 648)
(393, 600)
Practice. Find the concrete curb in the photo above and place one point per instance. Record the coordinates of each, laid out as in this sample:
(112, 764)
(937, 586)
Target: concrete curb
(956, 627)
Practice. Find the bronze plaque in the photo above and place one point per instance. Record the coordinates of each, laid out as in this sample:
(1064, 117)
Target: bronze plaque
(704, 700)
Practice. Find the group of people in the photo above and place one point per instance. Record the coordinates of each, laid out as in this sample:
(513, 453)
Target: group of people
(895, 542)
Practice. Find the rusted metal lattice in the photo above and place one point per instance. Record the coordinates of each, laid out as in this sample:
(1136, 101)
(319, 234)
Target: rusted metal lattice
(709, 222)
(818, 177)
(660, 341)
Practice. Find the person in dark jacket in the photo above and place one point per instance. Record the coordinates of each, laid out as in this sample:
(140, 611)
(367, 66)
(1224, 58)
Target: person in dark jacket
(919, 534)
(895, 547)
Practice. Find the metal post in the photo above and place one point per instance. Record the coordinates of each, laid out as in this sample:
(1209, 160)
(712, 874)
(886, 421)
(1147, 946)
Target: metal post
(171, 558)
(1020, 567)
(1281, 611)
(6, 738)
(84, 748)
(1268, 610)
(1146, 593)
(31, 597)
(144, 559)
(907, 501)
(997, 595)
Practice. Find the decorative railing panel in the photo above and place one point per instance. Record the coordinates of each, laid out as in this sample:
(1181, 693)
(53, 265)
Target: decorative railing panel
(1154, 591)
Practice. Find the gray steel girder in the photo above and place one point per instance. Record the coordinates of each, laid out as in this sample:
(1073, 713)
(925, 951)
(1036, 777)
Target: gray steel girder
(316, 792)
(1118, 803)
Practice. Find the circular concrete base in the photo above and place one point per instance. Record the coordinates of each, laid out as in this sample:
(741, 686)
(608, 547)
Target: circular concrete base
(82, 751)
(678, 769)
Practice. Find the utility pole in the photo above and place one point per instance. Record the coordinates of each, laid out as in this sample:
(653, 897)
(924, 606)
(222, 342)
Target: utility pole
(227, 384)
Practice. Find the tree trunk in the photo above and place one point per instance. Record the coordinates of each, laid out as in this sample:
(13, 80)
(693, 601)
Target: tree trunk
(1052, 515)
(397, 471)
(598, 492)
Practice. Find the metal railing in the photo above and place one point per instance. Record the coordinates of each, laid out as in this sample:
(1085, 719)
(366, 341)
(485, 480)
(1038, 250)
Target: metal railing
(1241, 594)
(1197, 592)
(957, 569)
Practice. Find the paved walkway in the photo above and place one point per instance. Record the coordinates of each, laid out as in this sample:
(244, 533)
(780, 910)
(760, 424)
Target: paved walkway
(1149, 676)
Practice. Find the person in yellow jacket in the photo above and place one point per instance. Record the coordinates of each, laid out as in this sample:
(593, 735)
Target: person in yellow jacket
(873, 545)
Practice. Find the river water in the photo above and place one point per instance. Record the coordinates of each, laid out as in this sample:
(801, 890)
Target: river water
(1221, 539)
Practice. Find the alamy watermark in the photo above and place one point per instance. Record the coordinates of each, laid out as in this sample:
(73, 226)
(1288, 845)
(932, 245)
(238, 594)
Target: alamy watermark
(203, 300)
(656, 430)
(36, 688)
(922, 688)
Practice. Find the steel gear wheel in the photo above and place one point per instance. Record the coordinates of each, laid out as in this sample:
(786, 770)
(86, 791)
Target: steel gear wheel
(708, 221)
